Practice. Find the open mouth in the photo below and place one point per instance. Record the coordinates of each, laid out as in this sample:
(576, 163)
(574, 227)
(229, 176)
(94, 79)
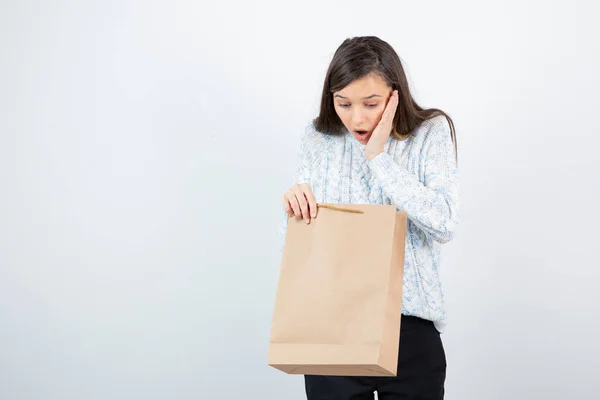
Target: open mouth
(361, 133)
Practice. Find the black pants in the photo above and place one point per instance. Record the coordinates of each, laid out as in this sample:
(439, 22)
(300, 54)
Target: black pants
(421, 371)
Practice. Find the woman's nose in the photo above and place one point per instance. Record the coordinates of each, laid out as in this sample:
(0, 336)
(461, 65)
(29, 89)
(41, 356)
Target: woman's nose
(357, 118)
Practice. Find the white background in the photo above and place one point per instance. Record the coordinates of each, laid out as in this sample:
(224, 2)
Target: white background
(144, 147)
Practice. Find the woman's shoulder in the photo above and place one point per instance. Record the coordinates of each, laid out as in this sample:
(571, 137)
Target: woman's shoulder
(311, 132)
(313, 139)
(433, 130)
(433, 126)
(434, 140)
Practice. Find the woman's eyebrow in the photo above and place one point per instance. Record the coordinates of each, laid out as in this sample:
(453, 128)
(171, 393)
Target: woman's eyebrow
(368, 97)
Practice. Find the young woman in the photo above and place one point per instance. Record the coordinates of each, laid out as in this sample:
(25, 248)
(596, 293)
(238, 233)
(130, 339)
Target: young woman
(372, 143)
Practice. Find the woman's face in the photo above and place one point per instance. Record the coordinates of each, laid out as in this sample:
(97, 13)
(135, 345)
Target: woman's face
(360, 105)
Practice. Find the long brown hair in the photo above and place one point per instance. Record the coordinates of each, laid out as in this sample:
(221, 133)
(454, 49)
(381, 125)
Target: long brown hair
(358, 57)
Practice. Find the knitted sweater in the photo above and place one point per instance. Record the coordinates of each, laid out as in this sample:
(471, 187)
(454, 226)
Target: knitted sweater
(418, 175)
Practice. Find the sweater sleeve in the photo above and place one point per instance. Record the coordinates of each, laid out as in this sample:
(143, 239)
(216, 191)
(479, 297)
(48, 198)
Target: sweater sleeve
(303, 168)
(433, 205)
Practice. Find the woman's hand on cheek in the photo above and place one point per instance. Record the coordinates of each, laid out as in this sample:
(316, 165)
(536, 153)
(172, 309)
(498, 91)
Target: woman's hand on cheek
(382, 132)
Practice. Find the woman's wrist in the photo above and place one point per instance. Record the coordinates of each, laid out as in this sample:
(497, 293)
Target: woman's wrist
(371, 154)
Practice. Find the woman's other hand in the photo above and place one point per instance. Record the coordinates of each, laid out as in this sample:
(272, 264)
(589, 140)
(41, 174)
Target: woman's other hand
(300, 202)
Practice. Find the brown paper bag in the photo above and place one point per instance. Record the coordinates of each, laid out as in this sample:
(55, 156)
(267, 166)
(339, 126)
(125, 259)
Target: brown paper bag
(339, 296)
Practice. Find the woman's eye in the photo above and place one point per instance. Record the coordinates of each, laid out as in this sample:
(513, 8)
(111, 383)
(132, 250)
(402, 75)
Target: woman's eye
(344, 105)
(371, 105)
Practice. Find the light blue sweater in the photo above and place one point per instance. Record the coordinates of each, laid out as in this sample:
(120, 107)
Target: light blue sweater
(418, 175)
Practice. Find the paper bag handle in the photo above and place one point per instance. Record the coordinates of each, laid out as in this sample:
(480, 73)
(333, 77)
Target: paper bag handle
(337, 208)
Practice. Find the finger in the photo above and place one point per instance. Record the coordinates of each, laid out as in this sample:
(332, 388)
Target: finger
(390, 110)
(291, 196)
(286, 204)
(312, 202)
(386, 120)
(393, 103)
(302, 202)
(393, 99)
